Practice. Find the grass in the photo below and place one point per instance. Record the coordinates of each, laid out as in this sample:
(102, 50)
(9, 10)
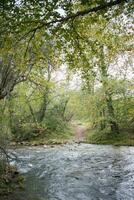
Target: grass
(121, 139)
(51, 138)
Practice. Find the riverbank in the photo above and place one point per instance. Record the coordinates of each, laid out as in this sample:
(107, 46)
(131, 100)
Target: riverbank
(49, 138)
(81, 134)
(11, 183)
(75, 134)
(121, 139)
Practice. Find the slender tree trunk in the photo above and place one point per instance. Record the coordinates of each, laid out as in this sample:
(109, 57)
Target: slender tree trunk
(43, 108)
(32, 112)
(102, 123)
(104, 79)
(113, 123)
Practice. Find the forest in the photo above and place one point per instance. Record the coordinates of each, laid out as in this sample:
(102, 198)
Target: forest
(66, 76)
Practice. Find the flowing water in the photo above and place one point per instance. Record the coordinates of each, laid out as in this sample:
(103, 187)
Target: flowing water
(78, 172)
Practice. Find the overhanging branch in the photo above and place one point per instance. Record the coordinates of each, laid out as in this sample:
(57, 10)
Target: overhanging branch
(87, 11)
(75, 15)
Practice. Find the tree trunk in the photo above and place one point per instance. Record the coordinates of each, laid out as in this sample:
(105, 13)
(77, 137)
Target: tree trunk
(43, 108)
(102, 123)
(113, 123)
(109, 102)
(32, 112)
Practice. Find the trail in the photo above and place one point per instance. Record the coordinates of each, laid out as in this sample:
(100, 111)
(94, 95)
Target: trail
(80, 133)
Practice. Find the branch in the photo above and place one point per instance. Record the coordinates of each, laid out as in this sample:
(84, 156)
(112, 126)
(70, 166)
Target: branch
(75, 15)
(89, 10)
(5, 153)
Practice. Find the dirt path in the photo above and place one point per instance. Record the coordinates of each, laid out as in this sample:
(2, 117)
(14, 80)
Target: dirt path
(80, 133)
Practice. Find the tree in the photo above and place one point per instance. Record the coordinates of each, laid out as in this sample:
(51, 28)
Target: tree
(46, 92)
(26, 17)
(14, 66)
(10, 76)
(93, 45)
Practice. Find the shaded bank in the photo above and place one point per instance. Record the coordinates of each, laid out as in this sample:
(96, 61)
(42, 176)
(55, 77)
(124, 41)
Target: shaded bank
(121, 139)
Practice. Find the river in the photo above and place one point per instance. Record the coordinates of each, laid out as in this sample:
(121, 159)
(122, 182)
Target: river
(78, 172)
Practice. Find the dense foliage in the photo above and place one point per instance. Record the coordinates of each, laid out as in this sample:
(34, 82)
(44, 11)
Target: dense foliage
(47, 47)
